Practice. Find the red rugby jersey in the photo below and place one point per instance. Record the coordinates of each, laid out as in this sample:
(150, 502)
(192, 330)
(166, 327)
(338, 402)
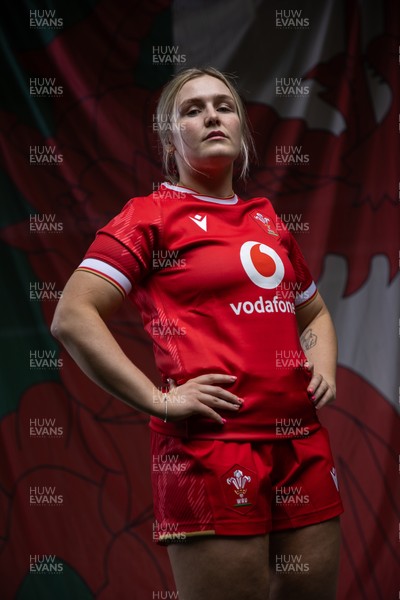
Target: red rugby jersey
(217, 282)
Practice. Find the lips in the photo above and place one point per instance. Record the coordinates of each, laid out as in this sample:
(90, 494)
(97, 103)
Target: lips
(213, 134)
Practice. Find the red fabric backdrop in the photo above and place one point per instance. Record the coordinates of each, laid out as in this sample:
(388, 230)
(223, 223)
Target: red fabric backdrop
(79, 85)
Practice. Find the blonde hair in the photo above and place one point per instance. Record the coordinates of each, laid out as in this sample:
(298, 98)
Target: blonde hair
(166, 118)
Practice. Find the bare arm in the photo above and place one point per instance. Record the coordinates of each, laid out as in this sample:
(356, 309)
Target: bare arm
(79, 324)
(319, 343)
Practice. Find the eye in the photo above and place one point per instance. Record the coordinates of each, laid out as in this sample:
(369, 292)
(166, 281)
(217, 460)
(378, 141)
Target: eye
(192, 112)
(225, 108)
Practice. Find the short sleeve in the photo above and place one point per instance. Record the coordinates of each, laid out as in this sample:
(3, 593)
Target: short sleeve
(123, 250)
(306, 288)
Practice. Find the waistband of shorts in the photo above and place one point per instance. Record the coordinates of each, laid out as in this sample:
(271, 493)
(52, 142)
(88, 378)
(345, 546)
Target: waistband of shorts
(234, 432)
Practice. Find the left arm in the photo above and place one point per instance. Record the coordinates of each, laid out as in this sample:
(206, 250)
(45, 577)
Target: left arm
(319, 343)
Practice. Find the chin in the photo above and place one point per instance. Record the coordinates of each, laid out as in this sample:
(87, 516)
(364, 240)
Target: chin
(220, 154)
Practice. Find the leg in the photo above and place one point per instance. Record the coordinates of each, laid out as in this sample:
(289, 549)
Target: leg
(228, 568)
(304, 562)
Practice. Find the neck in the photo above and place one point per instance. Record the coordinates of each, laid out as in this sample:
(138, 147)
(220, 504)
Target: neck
(213, 184)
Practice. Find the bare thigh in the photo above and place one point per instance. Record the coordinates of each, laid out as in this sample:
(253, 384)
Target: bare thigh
(304, 562)
(221, 568)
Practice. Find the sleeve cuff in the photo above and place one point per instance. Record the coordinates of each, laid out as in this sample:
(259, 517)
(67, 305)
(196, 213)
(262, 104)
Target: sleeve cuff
(107, 272)
(304, 297)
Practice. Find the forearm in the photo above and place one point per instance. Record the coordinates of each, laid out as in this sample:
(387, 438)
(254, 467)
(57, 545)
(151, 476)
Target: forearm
(319, 343)
(90, 343)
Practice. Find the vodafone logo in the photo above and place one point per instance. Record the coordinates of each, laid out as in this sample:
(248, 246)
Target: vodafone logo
(262, 265)
(265, 269)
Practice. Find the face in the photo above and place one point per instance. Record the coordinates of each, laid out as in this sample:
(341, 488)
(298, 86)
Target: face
(209, 129)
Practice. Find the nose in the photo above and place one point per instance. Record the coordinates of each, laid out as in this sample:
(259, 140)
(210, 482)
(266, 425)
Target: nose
(211, 116)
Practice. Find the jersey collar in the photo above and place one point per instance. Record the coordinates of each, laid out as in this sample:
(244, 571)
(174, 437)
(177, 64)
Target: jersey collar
(177, 188)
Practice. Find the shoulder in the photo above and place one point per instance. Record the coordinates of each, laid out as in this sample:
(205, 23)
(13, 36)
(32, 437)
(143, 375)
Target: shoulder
(139, 208)
(261, 202)
(262, 209)
(148, 202)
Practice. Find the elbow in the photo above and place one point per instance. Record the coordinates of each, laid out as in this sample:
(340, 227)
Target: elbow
(57, 327)
(62, 322)
(70, 322)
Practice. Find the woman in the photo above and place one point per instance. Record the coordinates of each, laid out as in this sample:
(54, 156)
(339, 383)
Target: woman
(251, 495)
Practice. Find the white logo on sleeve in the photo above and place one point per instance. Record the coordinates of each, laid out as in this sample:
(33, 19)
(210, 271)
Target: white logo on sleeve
(200, 221)
(334, 477)
(262, 265)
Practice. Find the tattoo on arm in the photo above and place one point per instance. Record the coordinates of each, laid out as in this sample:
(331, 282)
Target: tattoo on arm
(308, 339)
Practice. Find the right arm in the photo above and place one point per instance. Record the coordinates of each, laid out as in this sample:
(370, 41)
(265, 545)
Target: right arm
(79, 324)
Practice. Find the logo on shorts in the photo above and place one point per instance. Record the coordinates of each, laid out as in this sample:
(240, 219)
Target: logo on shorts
(240, 486)
(334, 477)
(239, 481)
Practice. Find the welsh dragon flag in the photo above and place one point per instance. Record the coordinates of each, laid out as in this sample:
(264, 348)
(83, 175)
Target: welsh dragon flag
(80, 80)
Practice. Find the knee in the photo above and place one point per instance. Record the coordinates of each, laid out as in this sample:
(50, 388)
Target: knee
(231, 569)
(298, 576)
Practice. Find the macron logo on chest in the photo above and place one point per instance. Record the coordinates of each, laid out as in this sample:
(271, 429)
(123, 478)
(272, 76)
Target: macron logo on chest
(200, 221)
